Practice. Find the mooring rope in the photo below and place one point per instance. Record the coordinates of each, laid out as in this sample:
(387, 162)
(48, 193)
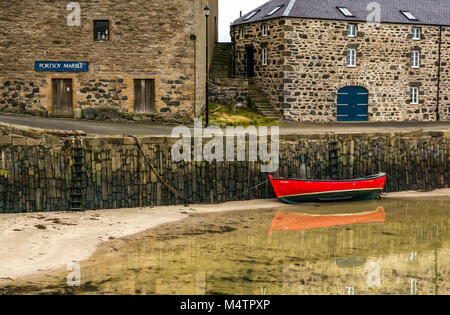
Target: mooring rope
(153, 168)
(173, 190)
(251, 189)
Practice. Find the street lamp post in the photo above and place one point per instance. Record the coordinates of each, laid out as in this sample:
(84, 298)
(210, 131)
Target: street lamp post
(207, 12)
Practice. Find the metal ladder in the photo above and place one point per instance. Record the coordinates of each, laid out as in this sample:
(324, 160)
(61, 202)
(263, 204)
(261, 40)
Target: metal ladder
(78, 175)
(334, 154)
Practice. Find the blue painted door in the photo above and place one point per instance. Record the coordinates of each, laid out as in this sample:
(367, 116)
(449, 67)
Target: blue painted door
(352, 104)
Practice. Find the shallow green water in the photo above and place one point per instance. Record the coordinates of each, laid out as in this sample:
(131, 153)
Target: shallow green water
(407, 252)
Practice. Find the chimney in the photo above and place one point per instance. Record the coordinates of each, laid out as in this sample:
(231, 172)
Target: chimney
(240, 14)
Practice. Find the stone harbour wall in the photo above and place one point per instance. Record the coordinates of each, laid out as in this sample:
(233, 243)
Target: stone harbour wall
(36, 171)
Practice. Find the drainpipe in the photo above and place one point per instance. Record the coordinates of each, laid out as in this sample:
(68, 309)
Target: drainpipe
(194, 39)
(233, 41)
(439, 75)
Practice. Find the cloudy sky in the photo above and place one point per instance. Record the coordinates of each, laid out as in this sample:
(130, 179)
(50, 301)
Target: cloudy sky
(229, 11)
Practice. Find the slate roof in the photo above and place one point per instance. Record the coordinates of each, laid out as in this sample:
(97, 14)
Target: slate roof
(428, 12)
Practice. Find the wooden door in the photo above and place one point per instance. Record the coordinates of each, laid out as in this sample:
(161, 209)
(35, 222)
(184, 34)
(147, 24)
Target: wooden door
(62, 95)
(144, 96)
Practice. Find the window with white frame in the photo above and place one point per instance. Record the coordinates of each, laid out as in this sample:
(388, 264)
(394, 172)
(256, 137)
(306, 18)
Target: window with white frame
(351, 58)
(416, 33)
(242, 33)
(415, 57)
(264, 56)
(414, 95)
(264, 30)
(351, 30)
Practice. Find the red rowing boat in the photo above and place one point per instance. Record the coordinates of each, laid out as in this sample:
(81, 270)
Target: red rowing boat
(302, 222)
(296, 190)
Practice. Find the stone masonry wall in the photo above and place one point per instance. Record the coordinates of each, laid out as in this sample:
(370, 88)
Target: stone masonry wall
(101, 92)
(148, 40)
(36, 173)
(227, 90)
(22, 96)
(312, 55)
(444, 107)
(317, 56)
(270, 76)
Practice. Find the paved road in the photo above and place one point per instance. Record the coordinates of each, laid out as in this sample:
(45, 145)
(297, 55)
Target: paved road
(150, 129)
(88, 126)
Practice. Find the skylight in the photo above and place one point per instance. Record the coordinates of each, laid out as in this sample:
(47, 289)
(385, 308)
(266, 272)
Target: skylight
(274, 10)
(409, 15)
(345, 12)
(248, 17)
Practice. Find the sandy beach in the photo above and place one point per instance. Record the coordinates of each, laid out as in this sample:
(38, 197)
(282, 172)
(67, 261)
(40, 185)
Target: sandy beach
(37, 242)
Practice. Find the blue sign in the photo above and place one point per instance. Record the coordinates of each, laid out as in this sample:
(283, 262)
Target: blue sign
(62, 66)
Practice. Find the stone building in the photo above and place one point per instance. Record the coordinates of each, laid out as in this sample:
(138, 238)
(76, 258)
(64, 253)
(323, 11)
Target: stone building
(133, 56)
(321, 61)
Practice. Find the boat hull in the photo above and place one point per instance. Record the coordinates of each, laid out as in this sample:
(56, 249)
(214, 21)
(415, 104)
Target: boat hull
(297, 191)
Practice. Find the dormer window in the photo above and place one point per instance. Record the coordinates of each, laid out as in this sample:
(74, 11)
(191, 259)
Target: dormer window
(275, 10)
(346, 12)
(409, 15)
(248, 17)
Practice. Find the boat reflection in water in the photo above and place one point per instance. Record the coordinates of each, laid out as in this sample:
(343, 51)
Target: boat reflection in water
(302, 222)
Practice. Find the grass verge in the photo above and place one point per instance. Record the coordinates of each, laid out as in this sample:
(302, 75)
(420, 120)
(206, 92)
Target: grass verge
(223, 116)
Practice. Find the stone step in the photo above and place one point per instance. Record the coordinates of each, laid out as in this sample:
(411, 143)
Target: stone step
(271, 110)
(220, 66)
(222, 60)
(260, 102)
(265, 108)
